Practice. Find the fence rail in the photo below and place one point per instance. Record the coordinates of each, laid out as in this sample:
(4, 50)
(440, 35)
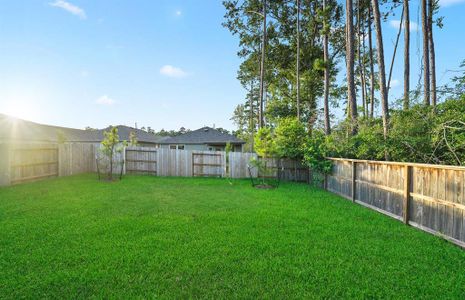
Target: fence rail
(429, 197)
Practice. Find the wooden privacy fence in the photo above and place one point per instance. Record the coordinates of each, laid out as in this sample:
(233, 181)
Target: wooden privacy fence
(25, 162)
(33, 162)
(141, 161)
(206, 164)
(429, 197)
(29, 162)
(191, 163)
(77, 158)
(289, 170)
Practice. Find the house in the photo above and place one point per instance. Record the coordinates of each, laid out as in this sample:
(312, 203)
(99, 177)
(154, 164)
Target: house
(14, 130)
(203, 139)
(144, 139)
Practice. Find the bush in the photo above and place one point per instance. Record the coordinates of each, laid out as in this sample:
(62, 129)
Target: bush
(421, 134)
(315, 153)
(290, 137)
(264, 142)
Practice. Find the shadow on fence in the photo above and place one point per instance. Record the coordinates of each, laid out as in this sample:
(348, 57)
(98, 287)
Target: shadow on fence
(429, 197)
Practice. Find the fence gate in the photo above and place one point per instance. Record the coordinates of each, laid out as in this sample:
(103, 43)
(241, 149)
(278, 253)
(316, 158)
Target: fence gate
(207, 164)
(141, 161)
(33, 162)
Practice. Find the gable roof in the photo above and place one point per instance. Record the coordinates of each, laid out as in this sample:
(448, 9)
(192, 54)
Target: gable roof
(13, 129)
(204, 135)
(141, 135)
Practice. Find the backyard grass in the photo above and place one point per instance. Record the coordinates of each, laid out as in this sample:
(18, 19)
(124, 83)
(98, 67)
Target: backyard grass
(149, 237)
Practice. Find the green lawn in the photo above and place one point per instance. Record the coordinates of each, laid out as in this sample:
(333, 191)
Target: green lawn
(152, 237)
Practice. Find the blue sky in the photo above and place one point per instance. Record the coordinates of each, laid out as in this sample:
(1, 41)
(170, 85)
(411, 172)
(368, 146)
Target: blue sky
(160, 63)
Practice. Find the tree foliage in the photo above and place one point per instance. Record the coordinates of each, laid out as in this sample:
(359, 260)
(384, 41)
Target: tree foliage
(414, 131)
(421, 134)
(265, 144)
(110, 147)
(290, 136)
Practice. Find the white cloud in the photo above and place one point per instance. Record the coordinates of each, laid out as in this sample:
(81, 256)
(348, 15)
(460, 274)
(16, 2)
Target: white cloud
(178, 12)
(171, 71)
(396, 23)
(395, 83)
(445, 3)
(75, 10)
(105, 100)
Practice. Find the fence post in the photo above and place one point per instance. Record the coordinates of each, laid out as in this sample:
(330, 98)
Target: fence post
(354, 178)
(407, 181)
(60, 159)
(124, 160)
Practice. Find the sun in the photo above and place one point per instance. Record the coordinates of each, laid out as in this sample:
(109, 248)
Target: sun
(20, 110)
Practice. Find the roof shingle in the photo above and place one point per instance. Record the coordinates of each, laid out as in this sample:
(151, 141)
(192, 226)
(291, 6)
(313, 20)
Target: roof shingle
(204, 135)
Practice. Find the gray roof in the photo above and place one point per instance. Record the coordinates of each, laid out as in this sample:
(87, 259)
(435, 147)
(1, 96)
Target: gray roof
(204, 135)
(142, 136)
(13, 129)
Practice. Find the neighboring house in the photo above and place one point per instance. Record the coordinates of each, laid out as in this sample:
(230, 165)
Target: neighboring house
(144, 138)
(22, 131)
(203, 139)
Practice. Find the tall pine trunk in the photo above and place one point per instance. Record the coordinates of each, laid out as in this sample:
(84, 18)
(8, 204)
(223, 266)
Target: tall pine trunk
(350, 66)
(326, 71)
(426, 71)
(365, 90)
(432, 55)
(298, 61)
(251, 116)
(360, 37)
(406, 56)
(262, 68)
(382, 71)
(372, 67)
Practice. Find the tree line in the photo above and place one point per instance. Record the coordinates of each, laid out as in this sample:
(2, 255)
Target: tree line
(294, 54)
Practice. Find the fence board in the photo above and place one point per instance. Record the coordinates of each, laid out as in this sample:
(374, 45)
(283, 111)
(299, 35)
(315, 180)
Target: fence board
(139, 160)
(208, 164)
(30, 162)
(435, 195)
(239, 163)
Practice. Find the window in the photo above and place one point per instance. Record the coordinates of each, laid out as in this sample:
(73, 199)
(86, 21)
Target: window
(178, 147)
(218, 149)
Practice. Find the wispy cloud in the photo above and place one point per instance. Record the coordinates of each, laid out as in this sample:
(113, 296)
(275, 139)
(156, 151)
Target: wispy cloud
(173, 72)
(71, 8)
(445, 3)
(105, 100)
(179, 13)
(396, 23)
